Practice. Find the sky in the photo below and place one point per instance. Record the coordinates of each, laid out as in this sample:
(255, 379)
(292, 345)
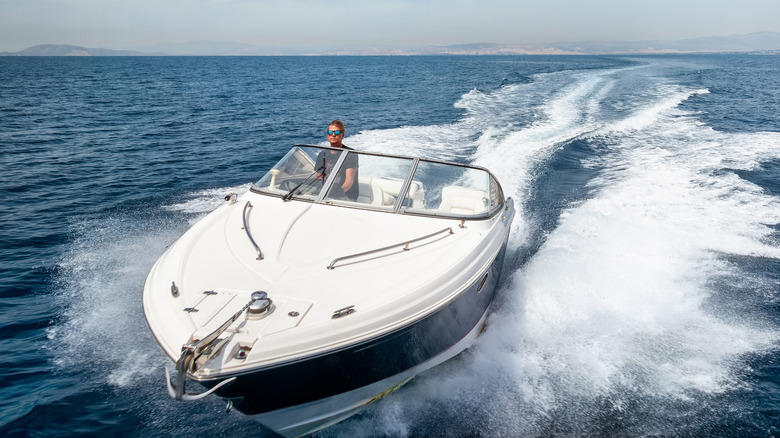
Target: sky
(403, 24)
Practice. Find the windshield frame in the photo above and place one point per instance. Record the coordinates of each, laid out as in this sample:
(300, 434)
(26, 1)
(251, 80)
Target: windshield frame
(398, 205)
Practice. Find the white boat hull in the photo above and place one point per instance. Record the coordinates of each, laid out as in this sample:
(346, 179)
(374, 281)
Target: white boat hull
(358, 296)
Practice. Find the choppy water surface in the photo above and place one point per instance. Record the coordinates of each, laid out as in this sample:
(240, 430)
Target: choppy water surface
(640, 292)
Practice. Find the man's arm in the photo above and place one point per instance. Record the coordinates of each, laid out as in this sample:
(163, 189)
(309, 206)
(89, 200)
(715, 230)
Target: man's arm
(349, 178)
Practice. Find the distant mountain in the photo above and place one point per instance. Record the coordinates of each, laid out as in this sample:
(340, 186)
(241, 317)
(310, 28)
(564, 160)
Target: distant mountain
(210, 48)
(760, 42)
(493, 49)
(68, 50)
(754, 42)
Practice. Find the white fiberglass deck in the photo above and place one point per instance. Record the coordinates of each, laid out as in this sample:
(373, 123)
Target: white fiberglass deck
(310, 237)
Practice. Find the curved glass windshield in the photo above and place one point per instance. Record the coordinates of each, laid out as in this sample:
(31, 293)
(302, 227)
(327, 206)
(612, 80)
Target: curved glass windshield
(377, 181)
(451, 190)
(380, 182)
(295, 175)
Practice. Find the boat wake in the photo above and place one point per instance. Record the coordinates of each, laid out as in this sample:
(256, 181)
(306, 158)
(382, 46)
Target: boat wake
(622, 319)
(101, 338)
(626, 307)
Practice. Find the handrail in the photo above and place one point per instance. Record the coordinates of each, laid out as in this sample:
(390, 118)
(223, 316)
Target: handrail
(249, 234)
(373, 251)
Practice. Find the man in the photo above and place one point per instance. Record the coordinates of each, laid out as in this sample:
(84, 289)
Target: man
(346, 184)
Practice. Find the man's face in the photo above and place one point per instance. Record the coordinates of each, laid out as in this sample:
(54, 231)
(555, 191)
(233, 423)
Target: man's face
(335, 139)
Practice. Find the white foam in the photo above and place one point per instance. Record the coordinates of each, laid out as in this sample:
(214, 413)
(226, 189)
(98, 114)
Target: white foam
(515, 155)
(614, 300)
(205, 201)
(615, 297)
(99, 289)
(437, 142)
(101, 335)
(673, 96)
(617, 300)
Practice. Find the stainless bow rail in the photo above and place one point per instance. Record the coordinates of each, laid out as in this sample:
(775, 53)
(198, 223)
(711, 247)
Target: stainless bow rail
(249, 234)
(374, 251)
(192, 351)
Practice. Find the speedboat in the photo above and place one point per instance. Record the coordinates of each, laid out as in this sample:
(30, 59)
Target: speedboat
(300, 302)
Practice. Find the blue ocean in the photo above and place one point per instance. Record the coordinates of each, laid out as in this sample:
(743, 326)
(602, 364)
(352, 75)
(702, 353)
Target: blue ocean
(641, 289)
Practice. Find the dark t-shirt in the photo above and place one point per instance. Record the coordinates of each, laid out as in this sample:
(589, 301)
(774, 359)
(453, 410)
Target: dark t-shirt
(329, 159)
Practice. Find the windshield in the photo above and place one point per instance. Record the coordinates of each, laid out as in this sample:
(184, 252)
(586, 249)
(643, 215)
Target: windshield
(294, 175)
(380, 182)
(445, 189)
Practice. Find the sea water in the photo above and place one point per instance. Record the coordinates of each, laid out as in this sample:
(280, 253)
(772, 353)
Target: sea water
(641, 288)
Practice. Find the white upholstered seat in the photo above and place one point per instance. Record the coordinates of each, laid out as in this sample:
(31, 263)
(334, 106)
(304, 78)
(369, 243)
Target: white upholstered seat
(461, 200)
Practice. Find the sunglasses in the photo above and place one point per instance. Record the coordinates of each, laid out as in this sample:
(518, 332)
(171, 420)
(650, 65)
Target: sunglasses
(334, 132)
